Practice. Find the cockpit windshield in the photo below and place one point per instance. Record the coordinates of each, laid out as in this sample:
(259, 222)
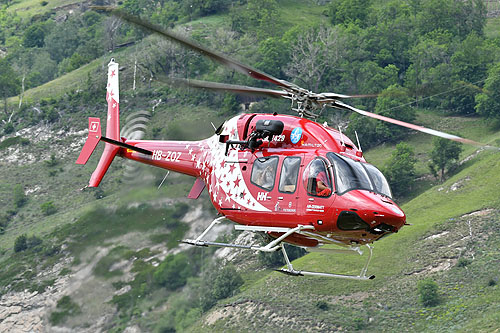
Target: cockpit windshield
(353, 175)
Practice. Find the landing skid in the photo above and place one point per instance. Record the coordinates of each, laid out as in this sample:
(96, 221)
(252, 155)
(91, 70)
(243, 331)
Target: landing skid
(277, 244)
(291, 271)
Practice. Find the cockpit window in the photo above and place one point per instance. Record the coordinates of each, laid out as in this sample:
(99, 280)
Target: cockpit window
(353, 175)
(264, 172)
(316, 179)
(289, 174)
(379, 182)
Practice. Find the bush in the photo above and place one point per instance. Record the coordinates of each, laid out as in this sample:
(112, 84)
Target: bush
(174, 271)
(48, 208)
(428, 291)
(462, 262)
(19, 197)
(8, 128)
(66, 308)
(52, 162)
(20, 244)
(221, 283)
(322, 305)
(227, 282)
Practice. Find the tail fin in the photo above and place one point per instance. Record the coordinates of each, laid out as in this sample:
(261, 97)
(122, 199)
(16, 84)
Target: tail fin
(92, 140)
(112, 129)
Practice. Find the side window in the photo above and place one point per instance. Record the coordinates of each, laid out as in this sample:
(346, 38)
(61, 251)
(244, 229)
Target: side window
(289, 174)
(264, 172)
(316, 179)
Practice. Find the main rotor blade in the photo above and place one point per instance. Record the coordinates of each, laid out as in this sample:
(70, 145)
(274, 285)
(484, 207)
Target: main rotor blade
(341, 105)
(341, 96)
(222, 59)
(232, 88)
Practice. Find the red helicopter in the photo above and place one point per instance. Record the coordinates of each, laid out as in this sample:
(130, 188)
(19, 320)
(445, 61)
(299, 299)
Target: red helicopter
(298, 181)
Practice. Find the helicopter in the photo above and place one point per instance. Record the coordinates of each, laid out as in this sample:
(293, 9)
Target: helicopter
(285, 176)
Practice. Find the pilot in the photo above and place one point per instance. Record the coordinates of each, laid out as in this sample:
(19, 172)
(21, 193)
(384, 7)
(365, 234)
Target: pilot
(323, 188)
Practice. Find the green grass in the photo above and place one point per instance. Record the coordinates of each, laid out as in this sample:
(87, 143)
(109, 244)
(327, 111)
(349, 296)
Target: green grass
(30, 8)
(492, 29)
(303, 13)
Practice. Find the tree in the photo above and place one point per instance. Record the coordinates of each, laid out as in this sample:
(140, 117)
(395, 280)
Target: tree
(488, 102)
(400, 169)
(262, 17)
(444, 155)
(274, 54)
(34, 36)
(459, 17)
(393, 102)
(9, 82)
(349, 11)
(315, 52)
(62, 41)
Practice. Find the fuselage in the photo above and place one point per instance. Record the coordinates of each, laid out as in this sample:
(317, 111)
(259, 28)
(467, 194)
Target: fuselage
(275, 184)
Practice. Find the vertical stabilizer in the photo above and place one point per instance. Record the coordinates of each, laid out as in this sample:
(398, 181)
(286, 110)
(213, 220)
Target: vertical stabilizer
(113, 98)
(112, 129)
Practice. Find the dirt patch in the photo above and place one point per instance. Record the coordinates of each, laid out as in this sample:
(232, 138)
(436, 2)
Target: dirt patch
(483, 212)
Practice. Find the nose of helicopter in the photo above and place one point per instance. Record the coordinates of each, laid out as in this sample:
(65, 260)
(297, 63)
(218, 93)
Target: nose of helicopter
(380, 213)
(386, 216)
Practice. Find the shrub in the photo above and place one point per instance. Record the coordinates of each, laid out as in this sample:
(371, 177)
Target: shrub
(174, 271)
(66, 308)
(220, 283)
(8, 128)
(322, 305)
(428, 291)
(48, 208)
(20, 244)
(462, 262)
(33, 242)
(227, 282)
(52, 162)
(20, 197)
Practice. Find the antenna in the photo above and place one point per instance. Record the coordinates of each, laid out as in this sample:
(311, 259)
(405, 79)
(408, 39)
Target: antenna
(357, 139)
(341, 136)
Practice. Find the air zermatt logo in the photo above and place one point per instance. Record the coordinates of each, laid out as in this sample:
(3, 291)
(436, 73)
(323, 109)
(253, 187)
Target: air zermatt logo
(94, 126)
(296, 135)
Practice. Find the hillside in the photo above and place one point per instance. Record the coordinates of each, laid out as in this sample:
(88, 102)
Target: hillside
(108, 259)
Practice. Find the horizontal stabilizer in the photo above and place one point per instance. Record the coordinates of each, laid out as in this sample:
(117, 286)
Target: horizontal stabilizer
(197, 188)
